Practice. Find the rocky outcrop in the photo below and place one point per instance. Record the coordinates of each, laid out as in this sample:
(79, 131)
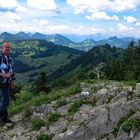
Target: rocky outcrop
(105, 111)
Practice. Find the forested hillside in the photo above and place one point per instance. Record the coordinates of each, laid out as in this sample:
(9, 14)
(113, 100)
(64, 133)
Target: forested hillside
(80, 66)
(126, 67)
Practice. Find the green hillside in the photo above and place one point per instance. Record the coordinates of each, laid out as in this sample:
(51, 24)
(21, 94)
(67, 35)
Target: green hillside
(80, 66)
(33, 56)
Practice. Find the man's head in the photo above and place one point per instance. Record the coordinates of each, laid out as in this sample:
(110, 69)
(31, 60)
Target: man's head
(6, 48)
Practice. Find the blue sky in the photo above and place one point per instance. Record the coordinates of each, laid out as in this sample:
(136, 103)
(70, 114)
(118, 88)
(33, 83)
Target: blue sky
(82, 17)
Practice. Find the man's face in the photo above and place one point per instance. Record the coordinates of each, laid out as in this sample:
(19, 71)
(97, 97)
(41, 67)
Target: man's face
(6, 48)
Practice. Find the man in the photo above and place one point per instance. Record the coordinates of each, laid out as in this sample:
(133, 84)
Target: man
(6, 76)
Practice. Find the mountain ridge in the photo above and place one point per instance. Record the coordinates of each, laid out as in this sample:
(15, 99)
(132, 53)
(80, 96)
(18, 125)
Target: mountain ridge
(59, 39)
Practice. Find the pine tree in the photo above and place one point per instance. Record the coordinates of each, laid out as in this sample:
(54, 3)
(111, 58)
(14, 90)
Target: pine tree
(41, 83)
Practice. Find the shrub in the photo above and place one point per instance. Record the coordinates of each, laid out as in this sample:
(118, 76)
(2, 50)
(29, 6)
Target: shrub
(129, 124)
(76, 105)
(43, 137)
(53, 117)
(73, 90)
(23, 97)
(61, 102)
(37, 124)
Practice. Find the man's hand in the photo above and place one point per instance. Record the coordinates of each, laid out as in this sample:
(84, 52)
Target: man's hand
(12, 85)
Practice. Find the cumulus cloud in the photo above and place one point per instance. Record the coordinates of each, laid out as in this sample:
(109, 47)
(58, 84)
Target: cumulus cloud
(102, 15)
(127, 31)
(138, 23)
(97, 9)
(81, 30)
(122, 27)
(42, 4)
(41, 22)
(8, 3)
(130, 19)
(81, 5)
(10, 17)
(43, 26)
(123, 5)
(66, 29)
(111, 5)
(11, 6)
(21, 9)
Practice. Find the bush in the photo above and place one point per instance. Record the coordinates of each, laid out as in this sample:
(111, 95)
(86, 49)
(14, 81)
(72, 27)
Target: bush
(37, 124)
(73, 90)
(53, 117)
(40, 84)
(61, 103)
(76, 105)
(15, 90)
(129, 124)
(130, 83)
(92, 75)
(43, 137)
(23, 97)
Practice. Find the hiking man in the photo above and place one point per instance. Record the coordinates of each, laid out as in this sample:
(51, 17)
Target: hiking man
(6, 77)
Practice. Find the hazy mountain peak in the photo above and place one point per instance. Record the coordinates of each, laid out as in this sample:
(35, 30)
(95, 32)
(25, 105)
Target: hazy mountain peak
(5, 33)
(22, 35)
(88, 40)
(113, 38)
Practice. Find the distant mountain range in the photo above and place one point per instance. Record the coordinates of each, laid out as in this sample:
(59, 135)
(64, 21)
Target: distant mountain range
(79, 38)
(58, 39)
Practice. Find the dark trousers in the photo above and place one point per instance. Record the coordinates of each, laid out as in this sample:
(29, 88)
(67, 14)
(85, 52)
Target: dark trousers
(4, 102)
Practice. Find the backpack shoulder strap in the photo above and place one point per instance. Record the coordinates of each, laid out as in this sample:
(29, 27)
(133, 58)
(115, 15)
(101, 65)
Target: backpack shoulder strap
(10, 60)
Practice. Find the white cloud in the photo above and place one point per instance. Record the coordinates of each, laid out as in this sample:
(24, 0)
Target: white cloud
(100, 5)
(12, 5)
(122, 27)
(112, 29)
(138, 23)
(124, 5)
(81, 5)
(41, 22)
(127, 31)
(102, 15)
(66, 29)
(12, 27)
(21, 9)
(130, 19)
(8, 3)
(43, 26)
(42, 4)
(97, 9)
(10, 17)
(81, 30)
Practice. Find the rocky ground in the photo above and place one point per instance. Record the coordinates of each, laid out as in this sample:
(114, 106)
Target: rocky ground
(105, 111)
